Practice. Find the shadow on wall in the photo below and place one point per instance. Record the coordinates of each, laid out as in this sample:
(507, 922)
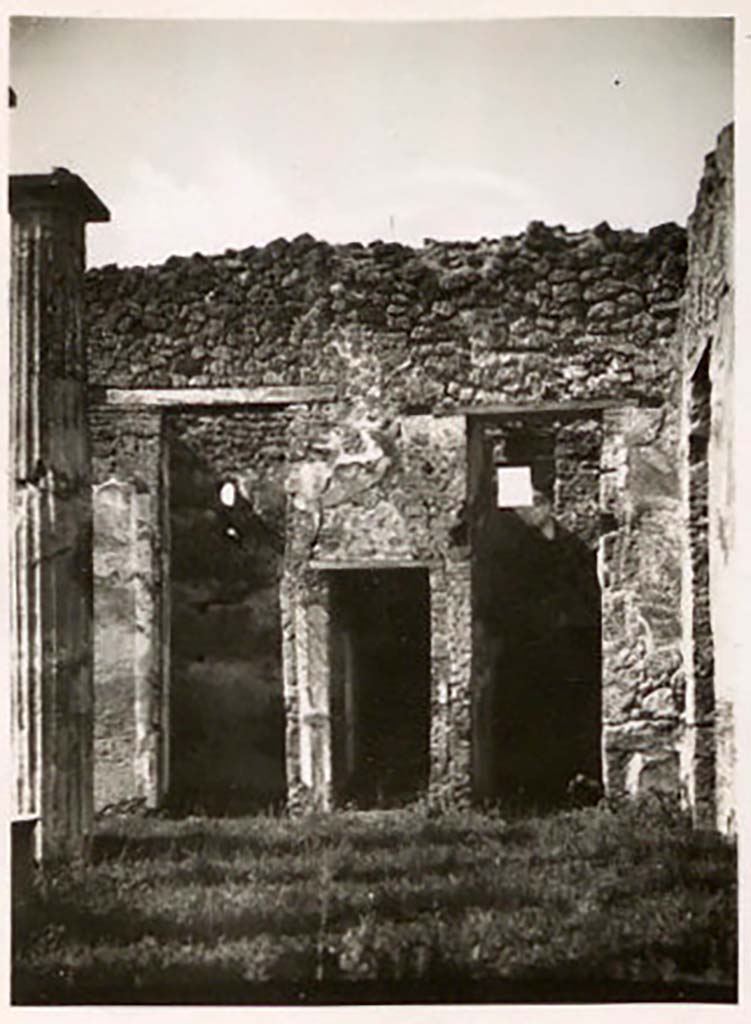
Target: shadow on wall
(227, 713)
(537, 658)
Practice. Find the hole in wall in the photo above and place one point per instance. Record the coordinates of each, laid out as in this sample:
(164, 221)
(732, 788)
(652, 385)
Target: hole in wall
(228, 494)
(514, 487)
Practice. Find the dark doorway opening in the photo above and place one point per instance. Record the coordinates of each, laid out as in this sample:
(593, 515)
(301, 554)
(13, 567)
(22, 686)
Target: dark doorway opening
(545, 710)
(537, 620)
(226, 704)
(380, 693)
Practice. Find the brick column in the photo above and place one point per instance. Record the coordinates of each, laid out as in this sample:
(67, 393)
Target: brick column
(51, 510)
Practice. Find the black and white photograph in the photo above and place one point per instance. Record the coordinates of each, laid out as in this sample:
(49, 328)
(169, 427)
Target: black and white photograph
(371, 551)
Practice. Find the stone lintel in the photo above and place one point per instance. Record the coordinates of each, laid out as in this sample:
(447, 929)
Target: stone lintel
(331, 565)
(60, 188)
(161, 398)
(539, 408)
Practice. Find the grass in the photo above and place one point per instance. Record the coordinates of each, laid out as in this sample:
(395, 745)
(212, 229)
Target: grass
(385, 906)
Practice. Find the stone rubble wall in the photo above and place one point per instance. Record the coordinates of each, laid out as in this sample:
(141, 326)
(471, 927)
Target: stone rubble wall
(376, 488)
(639, 564)
(248, 447)
(138, 606)
(706, 332)
(544, 315)
(406, 334)
(369, 488)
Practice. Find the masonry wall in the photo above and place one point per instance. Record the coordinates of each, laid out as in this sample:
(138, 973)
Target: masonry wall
(544, 315)
(639, 565)
(707, 335)
(409, 337)
(370, 490)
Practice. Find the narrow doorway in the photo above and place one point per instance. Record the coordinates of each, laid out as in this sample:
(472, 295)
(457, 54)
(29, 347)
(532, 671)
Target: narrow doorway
(226, 706)
(380, 692)
(537, 613)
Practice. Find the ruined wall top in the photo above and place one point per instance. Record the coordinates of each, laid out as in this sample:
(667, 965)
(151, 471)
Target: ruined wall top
(710, 248)
(544, 315)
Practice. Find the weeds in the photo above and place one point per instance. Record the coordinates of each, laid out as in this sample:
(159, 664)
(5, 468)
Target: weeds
(218, 905)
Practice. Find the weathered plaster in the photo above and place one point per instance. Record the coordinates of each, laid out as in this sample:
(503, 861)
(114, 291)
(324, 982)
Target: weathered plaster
(706, 329)
(639, 565)
(131, 683)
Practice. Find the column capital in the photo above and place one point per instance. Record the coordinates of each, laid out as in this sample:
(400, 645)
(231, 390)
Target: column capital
(59, 189)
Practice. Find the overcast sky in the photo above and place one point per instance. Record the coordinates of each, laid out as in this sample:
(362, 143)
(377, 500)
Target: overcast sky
(201, 136)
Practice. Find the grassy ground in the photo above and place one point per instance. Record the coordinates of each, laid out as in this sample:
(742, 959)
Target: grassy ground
(386, 906)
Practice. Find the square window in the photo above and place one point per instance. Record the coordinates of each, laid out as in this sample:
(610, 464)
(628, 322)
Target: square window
(514, 487)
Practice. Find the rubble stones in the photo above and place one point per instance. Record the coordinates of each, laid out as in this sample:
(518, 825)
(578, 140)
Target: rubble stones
(280, 313)
(544, 316)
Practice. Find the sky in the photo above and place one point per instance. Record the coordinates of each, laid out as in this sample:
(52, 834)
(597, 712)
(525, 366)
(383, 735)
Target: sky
(208, 135)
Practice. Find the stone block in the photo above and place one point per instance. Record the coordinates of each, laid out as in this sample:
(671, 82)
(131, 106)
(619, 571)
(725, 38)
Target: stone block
(601, 311)
(653, 774)
(660, 703)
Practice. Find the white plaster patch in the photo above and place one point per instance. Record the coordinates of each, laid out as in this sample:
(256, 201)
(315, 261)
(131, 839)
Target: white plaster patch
(447, 432)
(633, 774)
(112, 509)
(306, 482)
(378, 532)
(656, 773)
